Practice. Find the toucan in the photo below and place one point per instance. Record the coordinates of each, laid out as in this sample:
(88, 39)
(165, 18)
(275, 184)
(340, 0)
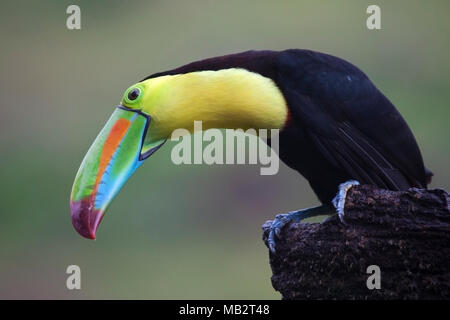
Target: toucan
(335, 127)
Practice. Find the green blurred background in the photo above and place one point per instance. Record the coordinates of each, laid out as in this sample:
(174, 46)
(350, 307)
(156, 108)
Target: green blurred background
(178, 231)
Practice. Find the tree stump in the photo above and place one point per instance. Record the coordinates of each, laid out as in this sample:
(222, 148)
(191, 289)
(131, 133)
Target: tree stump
(405, 233)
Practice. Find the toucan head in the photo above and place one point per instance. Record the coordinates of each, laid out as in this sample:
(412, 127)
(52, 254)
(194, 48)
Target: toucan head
(124, 143)
(149, 113)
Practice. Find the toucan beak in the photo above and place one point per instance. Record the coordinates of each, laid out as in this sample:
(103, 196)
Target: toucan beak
(116, 153)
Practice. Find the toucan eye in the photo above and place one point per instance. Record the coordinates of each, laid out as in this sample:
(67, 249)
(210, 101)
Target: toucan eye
(133, 94)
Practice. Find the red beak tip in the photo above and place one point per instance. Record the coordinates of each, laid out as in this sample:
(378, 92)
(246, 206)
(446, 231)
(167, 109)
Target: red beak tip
(85, 218)
(90, 235)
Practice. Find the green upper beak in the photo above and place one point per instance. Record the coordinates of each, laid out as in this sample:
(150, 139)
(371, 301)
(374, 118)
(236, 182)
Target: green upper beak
(116, 153)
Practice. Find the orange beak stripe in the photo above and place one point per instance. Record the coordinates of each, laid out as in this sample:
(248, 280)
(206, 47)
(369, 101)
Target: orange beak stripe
(113, 140)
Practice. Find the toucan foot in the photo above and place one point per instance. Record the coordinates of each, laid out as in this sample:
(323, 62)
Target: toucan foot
(278, 223)
(339, 200)
(281, 220)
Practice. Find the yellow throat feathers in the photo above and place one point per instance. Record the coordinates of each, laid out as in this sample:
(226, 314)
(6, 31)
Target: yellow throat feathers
(228, 98)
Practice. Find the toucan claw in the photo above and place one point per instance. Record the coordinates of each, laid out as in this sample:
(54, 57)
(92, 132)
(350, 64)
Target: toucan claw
(339, 200)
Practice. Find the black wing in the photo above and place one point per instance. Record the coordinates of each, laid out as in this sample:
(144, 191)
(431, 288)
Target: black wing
(349, 120)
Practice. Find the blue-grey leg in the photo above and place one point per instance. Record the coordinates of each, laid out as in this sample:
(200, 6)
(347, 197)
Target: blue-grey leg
(295, 216)
(339, 200)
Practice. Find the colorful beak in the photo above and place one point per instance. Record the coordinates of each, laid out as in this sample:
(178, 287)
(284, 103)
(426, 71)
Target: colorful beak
(116, 153)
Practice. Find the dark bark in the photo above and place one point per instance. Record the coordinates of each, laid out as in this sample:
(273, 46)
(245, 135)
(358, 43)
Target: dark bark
(406, 234)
